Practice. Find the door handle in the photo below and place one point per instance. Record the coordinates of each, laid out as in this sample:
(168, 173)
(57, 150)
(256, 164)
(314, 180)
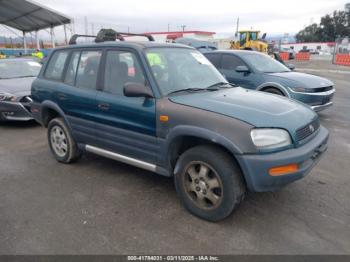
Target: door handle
(103, 106)
(62, 96)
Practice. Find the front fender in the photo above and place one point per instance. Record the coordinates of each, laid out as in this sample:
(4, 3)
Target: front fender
(275, 85)
(48, 104)
(185, 130)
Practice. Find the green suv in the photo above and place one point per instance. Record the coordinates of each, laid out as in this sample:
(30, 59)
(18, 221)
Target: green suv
(166, 109)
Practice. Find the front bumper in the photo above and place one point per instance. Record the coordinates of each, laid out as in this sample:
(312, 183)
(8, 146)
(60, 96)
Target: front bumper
(256, 167)
(14, 111)
(321, 107)
(317, 101)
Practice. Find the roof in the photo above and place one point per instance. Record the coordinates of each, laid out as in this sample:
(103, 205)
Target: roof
(27, 16)
(181, 32)
(236, 52)
(134, 44)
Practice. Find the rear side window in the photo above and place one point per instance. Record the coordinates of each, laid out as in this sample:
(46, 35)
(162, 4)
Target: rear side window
(214, 59)
(56, 64)
(72, 68)
(230, 62)
(88, 69)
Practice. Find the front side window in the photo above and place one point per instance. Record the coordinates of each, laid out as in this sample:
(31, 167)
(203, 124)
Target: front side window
(180, 68)
(264, 63)
(121, 67)
(230, 62)
(243, 39)
(88, 69)
(56, 65)
(214, 59)
(253, 36)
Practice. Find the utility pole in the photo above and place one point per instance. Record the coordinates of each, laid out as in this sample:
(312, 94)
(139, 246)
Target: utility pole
(92, 29)
(86, 27)
(168, 27)
(183, 27)
(237, 27)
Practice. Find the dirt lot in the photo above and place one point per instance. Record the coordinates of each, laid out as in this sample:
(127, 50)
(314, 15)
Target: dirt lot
(99, 206)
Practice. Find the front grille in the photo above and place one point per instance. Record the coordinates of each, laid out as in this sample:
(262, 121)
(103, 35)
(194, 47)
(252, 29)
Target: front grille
(323, 89)
(307, 130)
(327, 99)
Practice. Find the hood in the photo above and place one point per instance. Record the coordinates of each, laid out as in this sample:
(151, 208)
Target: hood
(302, 80)
(256, 108)
(16, 86)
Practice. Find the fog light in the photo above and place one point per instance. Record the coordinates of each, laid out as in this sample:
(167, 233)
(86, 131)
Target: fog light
(283, 170)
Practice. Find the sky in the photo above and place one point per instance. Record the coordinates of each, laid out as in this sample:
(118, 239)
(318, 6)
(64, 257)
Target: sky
(220, 16)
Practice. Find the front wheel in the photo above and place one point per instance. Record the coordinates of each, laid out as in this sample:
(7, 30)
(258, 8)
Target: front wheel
(273, 91)
(61, 142)
(208, 182)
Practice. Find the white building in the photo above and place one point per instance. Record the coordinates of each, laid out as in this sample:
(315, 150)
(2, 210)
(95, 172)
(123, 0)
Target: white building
(170, 36)
(324, 47)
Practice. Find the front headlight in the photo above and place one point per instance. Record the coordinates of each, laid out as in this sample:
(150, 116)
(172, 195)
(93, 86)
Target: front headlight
(301, 90)
(7, 97)
(270, 138)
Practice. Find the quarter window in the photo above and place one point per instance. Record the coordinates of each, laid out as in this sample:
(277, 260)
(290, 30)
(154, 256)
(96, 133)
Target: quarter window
(88, 69)
(56, 65)
(230, 62)
(121, 67)
(72, 68)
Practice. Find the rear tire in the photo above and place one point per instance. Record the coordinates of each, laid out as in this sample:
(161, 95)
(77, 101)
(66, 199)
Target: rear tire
(274, 91)
(209, 182)
(61, 142)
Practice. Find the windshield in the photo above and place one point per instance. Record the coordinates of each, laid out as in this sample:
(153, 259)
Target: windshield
(179, 68)
(19, 68)
(264, 63)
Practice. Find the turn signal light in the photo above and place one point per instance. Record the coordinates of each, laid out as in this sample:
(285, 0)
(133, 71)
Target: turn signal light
(283, 170)
(164, 118)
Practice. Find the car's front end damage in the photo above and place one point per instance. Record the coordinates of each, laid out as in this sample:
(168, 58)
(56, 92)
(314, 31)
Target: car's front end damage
(15, 108)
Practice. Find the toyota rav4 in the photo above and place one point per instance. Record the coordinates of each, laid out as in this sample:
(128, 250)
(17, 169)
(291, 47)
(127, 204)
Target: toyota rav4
(166, 109)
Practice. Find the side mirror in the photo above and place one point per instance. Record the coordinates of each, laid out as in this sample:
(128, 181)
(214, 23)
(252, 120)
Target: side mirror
(242, 69)
(291, 66)
(137, 90)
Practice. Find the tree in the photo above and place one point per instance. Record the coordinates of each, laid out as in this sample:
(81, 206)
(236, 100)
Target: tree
(330, 28)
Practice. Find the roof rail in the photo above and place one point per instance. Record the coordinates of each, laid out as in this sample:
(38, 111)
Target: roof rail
(73, 39)
(108, 35)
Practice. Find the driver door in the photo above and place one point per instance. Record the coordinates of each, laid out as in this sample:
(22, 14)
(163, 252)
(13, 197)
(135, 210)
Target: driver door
(126, 125)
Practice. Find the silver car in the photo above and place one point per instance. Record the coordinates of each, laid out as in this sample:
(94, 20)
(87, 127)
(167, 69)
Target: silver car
(16, 77)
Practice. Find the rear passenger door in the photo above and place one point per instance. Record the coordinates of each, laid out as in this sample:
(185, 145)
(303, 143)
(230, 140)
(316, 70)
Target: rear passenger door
(126, 125)
(77, 94)
(81, 79)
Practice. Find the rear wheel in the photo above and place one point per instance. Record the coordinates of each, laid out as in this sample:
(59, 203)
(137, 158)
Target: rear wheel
(272, 90)
(208, 182)
(62, 144)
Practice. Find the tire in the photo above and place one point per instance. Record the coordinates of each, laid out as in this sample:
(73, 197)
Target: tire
(62, 145)
(274, 91)
(223, 183)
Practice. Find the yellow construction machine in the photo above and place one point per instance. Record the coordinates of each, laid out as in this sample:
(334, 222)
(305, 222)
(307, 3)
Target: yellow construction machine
(249, 40)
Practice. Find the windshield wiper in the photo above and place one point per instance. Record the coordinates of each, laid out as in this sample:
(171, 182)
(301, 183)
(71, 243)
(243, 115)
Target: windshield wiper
(219, 85)
(24, 76)
(187, 90)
